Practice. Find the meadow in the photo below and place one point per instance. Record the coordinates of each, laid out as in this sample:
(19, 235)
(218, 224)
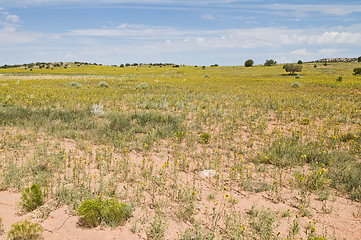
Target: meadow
(164, 152)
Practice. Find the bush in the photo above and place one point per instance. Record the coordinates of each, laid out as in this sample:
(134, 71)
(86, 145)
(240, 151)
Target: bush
(143, 85)
(270, 62)
(25, 230)
(98, 110)
(359, 59)
(111, 212)
(31, 198)
(299, 62)
(356, 71)
(249, 63)
(292, 68)
(103, 84)
(89, 210)
(339, 79)
(296, 84)
(204, 138)
(75, 84)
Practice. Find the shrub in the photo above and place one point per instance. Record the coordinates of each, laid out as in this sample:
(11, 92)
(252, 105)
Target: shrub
(292, 68)
(25, 230)
(356, 71)
(75, 84)
(103, 84)
(299, 62)
(31, 198)
(249, 63)
(270, 62)
(204, 138)
(296, 85)
(97, 110)
(339, 79)
(206, 76)
(114, 213)
(359, 59)
(89, 210)
(111, 212)
(143, 85)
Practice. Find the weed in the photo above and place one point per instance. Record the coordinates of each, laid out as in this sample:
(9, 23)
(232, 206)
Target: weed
(25, 230)
(31, 198)
(157, 227)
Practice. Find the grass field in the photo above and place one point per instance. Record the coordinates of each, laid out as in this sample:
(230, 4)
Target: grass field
(214, 153)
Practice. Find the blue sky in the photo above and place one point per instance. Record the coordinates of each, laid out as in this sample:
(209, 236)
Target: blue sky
(189, 32)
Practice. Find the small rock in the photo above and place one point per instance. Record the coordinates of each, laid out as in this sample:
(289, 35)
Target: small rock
(208, 173)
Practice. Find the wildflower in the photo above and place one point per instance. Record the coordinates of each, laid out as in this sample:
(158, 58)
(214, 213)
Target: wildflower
(215, 202)
(226, 195)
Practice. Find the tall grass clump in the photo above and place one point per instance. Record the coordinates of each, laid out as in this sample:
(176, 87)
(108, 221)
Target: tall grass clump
(32, 198)
(111, 212)
(25, 230)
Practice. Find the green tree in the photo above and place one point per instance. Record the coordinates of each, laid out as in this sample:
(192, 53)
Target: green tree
(359, 59)
(292, 68)
(249, 63)
(299, 62)
(270, 62)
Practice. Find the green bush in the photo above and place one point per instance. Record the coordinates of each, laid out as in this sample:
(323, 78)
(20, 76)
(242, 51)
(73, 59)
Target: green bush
(357, 71)
(292, 68)
(270, 62)
(204, 138)
(31, 198)
(339, 79)
(249, 63)
(110, 212)
(114, 213)
(89, 210)
(25, 230)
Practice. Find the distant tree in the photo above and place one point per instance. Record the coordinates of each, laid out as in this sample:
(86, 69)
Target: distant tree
(359, 59)
(292, 68)
(249, 63)
(270, 62)
(299, 62)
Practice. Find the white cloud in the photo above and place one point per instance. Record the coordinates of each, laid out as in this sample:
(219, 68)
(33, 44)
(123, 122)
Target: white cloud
(12, 18)
(301, 52)
(226, 38)
(208, 16)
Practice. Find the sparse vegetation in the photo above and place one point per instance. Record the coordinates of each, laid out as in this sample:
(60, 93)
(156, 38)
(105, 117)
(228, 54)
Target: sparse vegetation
(192, 157)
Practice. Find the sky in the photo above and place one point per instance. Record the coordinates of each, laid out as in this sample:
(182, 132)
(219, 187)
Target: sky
(191, 32)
